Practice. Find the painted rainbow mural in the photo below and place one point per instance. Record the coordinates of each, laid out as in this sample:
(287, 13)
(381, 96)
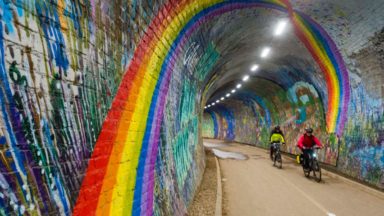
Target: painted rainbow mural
(131, 184)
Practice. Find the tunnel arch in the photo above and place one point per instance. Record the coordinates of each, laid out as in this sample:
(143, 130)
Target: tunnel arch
(115, 70)
(311, 34)
(327, 64)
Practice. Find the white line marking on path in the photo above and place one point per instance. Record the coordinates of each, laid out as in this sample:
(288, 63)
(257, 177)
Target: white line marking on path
(308, 197)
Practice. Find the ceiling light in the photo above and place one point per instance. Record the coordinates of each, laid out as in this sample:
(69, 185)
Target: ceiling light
(265, 52)
(238, 86)
(209, 105)
(227, 95)
(217, 101)
(233, 90)
(254, 67)
(205, 107)
(245, 78)
(280, 27)
(222, 98)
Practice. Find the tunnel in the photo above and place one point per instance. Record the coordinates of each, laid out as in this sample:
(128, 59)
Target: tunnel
(105, 104)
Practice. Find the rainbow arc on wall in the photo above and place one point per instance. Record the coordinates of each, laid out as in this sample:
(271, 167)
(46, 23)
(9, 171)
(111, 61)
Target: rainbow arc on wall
(125, 153)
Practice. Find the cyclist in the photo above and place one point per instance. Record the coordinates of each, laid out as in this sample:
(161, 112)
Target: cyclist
(276, 137)
(306, 143)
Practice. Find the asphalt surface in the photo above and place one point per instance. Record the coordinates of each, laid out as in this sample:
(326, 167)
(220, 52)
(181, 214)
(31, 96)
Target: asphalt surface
(255, 187)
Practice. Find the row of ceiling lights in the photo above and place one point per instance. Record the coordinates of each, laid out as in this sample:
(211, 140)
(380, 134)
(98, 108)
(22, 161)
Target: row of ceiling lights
(264, 53)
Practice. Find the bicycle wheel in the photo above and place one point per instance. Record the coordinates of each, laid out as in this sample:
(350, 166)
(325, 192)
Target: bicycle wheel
(307, 172)
(274, 158)
(278, 161)
(316, 171)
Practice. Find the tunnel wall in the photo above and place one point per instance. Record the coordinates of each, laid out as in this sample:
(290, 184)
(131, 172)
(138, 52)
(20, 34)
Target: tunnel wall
(254, 116)
(61, 66)
(294, 110)
(358, 151)
(100, 105)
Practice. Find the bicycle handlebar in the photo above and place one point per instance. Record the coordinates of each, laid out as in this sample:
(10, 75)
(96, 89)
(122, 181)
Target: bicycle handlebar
(315, 147)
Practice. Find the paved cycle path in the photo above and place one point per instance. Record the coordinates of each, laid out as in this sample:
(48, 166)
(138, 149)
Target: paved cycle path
(255, 187)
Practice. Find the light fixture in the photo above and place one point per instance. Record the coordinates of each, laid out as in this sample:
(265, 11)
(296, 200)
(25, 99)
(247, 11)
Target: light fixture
(254, 67)
(227, 95)
(233, 90)
(245, 78)
(222, 98)
(238, 86)
(213, 104)
(265, 52)
(209, 105)
(280, 27)
(205, 107)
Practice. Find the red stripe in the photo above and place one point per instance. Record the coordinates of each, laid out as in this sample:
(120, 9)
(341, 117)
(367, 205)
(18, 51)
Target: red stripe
(307, 44)
(87, 200)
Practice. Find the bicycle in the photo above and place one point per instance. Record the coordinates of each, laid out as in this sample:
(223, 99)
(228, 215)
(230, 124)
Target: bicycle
(276, 156)
(313, 165)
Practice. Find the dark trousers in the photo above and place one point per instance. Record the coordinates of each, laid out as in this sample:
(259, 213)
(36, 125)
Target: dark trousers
(307, 154)
(272, 148)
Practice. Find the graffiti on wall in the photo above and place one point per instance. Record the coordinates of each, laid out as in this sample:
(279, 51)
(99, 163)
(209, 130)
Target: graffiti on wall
(60, 69)
(100, 102)
(362, 151)
(293, 109)
(357, 152)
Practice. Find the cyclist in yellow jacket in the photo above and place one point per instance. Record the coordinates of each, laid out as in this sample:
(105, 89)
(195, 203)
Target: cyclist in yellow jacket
(276, 137)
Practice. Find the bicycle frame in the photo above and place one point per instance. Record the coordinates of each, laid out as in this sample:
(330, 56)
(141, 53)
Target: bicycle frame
(313, 165)
(276, 155)
(312, 156)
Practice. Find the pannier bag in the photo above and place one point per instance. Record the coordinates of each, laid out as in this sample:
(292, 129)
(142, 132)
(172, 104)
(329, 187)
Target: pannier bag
(299, 158)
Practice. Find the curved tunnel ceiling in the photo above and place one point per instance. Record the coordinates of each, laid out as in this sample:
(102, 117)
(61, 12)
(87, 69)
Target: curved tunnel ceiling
(252, 34)
(296, 55)
(111, 93)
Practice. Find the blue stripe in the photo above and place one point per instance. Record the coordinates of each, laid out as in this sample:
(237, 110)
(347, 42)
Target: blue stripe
(136, 208)
(141, 166)
(314, 27)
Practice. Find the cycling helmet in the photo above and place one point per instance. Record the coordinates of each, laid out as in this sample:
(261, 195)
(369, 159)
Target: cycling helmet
(308, 130)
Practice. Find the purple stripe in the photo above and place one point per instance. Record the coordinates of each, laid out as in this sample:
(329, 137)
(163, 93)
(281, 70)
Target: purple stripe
(148, 186)
(344, 74)
(155, 132)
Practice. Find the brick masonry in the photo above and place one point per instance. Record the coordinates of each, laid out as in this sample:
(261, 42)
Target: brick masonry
(100, 101)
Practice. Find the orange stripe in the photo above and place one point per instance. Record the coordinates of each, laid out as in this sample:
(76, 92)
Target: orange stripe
(109, 182)
(323, 67)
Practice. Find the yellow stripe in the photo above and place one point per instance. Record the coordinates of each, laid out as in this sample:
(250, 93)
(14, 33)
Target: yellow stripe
(334, 103)
(278, 3)
(123, 192)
